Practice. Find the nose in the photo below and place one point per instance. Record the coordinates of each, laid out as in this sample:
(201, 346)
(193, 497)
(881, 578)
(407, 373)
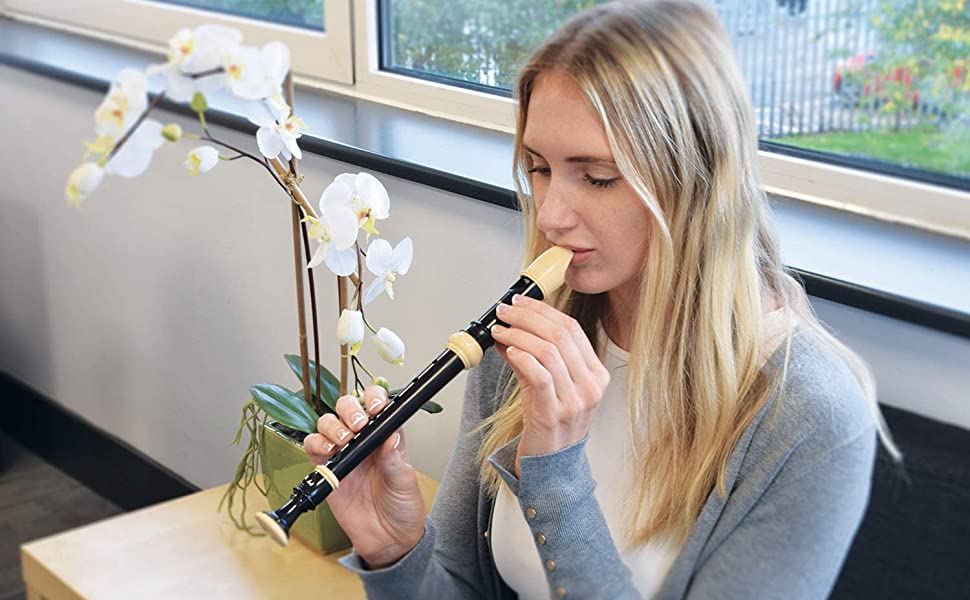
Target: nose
(554, 211)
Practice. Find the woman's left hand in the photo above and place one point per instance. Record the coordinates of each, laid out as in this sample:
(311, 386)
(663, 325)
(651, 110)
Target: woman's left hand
(561, 378)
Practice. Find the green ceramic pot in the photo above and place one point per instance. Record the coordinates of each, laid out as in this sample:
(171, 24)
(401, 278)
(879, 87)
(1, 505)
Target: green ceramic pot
(285, 464)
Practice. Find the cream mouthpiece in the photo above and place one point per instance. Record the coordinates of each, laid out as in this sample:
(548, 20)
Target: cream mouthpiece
(548, 271)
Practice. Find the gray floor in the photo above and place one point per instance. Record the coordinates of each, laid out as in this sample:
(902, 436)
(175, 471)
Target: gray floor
(37, 500)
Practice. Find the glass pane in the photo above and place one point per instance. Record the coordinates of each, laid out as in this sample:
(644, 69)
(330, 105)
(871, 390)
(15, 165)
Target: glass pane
(482, 42)
(883, 80)
(875, 79)
(296, 13)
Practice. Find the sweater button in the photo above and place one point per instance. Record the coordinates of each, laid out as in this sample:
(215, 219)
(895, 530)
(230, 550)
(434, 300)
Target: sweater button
(550, 565)
(541, 538)
(561, 592)
(530, 512)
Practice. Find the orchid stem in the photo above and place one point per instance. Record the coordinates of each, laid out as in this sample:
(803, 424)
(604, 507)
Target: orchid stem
(369, 374)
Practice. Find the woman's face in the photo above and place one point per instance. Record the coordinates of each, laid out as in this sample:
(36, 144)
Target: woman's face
(582, 202)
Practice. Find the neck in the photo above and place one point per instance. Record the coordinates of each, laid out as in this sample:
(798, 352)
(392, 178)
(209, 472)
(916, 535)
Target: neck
(619, 318)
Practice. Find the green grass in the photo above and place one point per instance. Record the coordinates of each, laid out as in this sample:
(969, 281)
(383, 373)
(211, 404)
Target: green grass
(923, 147)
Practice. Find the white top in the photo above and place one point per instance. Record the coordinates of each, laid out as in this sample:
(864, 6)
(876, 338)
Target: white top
(513, 548)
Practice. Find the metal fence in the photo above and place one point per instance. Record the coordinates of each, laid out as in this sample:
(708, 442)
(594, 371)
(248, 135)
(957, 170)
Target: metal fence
(788, 50)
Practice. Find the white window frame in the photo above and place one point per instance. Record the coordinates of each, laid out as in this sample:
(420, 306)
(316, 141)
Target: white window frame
(149, 25)
(345, 59)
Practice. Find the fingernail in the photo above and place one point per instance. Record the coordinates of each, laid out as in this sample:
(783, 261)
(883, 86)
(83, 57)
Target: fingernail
(397, 441)
(511, 349)
(375, 402)
(357, 418)
(503, 308)
(497, 328)
(330, 446)
(342, 434)
(519, 299)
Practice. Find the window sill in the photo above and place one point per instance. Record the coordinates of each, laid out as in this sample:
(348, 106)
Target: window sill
(890, 269)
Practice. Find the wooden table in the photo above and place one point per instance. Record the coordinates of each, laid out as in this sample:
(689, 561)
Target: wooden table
(183, 548)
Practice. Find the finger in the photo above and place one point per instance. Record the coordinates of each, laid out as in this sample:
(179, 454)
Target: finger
(545, 352)
(531, 373)
(333, 429)
(566, 322)
(318, 448)
(351, 413)
(565, 333)
(375, 399)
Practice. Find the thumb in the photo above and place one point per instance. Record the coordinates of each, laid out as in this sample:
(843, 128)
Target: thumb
(392, 460)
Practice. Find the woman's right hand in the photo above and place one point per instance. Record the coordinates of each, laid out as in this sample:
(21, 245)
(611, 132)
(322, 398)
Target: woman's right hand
(378, 504)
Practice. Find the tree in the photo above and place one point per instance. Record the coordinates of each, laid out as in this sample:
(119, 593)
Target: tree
(922, 57)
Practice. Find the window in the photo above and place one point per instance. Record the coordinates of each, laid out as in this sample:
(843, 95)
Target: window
(880, 79)
(316, 52)
(861, 104)
(296, 13)
(480, 44)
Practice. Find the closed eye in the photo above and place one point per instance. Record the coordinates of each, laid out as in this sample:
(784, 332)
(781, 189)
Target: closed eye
(600, 183)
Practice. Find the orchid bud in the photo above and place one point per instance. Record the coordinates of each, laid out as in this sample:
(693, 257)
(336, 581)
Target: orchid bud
(382, 381)
(201, 159)
(172, 132)
(82, 181)
(350, 329)
(389, 346)
(199, 103)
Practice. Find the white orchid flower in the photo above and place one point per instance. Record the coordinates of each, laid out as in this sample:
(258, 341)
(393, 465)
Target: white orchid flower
(386, 265)
(192, 52)
(82, 181)
(124, 102)
(389, 346)
(201, 159)
(350, 329)
(277, 104)
(336, 233)
(257, 74)
(278, 131)
(361, 193)
(135, 155)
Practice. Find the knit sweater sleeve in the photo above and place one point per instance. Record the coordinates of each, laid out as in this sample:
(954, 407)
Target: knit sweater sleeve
(555, 493)
(793, 541)
(445, 563)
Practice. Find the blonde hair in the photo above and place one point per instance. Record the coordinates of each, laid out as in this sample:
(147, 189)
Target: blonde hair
(673, 102)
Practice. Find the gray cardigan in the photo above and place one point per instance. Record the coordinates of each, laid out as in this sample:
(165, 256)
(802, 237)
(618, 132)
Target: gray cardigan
(798, 484)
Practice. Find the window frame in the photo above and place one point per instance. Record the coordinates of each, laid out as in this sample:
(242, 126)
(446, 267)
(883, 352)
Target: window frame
(351, 66)
(149, 25)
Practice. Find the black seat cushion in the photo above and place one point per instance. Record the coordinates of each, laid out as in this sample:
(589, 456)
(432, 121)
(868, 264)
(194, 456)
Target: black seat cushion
(914, 541)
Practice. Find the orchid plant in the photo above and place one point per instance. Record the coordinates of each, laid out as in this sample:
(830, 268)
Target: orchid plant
(212, 59)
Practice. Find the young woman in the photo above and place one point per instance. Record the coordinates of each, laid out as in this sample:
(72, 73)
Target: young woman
(675, 422)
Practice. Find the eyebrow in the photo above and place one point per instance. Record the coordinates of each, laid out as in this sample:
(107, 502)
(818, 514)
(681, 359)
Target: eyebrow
(575, 159)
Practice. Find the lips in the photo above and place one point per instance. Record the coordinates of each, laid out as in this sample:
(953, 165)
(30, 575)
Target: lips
(580, 257)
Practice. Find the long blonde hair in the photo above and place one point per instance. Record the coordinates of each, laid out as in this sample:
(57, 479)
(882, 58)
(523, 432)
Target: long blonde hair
(662, 78)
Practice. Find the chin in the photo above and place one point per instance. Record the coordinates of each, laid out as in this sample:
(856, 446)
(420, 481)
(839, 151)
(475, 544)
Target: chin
(584, 283)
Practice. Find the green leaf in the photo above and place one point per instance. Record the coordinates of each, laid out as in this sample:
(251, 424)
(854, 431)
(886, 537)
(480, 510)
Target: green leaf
(199, 103)
(285, 406)
(429, 407)
(432, 407)
(331, 385)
